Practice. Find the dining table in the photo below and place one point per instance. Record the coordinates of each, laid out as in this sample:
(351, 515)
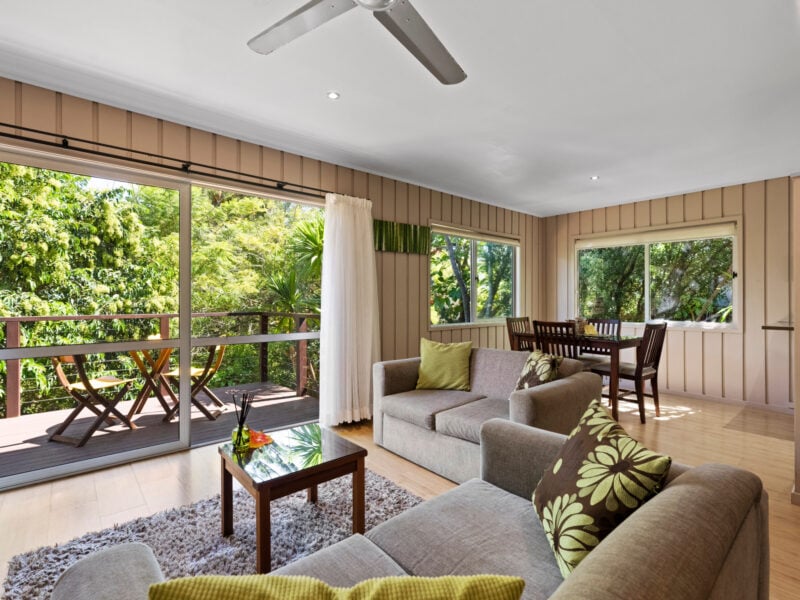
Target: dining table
(605, 344)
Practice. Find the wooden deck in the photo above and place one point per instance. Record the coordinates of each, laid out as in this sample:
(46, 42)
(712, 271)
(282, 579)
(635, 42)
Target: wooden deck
(24, 446)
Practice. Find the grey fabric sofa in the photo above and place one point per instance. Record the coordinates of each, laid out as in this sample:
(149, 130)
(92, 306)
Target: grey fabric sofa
(440, 429)
(704, 536)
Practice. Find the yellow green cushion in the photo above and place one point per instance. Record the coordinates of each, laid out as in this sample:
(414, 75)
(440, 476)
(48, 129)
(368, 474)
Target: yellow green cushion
(291, 587)
(443, 366)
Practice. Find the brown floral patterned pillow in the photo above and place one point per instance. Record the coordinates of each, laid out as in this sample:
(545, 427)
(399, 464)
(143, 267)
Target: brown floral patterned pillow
(539, 368)
(600, 477)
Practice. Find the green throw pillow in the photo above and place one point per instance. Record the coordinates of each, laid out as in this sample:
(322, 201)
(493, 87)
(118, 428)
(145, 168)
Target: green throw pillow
(539, 368)
(444, 366)
(296, 587)
(598, 479)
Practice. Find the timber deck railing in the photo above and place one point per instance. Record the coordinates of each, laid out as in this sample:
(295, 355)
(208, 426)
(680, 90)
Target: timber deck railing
(301, 366)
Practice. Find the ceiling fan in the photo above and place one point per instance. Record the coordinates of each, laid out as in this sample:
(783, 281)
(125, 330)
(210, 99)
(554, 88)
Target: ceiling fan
(398, 16)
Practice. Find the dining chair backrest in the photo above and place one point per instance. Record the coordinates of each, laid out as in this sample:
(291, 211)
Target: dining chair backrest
(649, 354)
(518, 325)
(603, 327)
(607, 326)
(556, 337)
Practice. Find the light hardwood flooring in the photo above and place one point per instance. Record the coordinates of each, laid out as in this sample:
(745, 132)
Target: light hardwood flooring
(691, 431)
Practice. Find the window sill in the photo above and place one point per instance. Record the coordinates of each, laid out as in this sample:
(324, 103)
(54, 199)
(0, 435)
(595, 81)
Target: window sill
(694, 326)
(444, 327)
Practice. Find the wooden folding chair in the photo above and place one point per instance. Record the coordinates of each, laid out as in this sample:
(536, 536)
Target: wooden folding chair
(152, 369)
(200, 377)
(89, 392)
(557, 338)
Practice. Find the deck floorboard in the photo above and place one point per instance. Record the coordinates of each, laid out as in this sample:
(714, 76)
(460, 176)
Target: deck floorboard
(24, 446)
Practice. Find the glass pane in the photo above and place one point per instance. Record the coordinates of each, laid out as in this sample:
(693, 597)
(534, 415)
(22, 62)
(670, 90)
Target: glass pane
(495, 280)
(450, 279)
(256, 268)
(611, 283)
(691, 281)
(79, 246)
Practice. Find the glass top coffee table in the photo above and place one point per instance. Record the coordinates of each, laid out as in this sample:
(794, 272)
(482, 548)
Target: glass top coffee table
(298, 459)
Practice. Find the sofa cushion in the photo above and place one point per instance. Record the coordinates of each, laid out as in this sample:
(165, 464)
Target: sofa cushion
(420, 406)
(597, 480)
(443, 366)
(465, 421)
(345, 563)
(539, 368)
(494, 373)
(474, 528)
(298, 587)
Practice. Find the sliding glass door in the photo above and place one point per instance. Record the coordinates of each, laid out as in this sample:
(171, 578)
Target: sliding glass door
(135, 310)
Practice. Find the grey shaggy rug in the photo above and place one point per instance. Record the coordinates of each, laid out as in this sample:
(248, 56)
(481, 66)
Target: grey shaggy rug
(187, 540)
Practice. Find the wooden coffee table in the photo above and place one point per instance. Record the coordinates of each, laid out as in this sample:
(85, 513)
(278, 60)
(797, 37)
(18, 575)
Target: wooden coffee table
(300, 458)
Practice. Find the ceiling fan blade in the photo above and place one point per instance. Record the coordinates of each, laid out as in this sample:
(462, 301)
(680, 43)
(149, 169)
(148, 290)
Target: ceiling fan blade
(406, 24)
(309, 16)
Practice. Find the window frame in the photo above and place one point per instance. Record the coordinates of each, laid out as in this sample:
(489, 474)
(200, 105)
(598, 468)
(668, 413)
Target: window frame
(711, 228)
(475, 236)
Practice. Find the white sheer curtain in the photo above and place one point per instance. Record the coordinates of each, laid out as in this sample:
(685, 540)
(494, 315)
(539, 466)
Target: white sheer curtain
(349, 335)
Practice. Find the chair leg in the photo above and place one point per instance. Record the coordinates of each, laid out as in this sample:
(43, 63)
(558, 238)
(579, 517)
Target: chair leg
(654, 389)
(56, 435)
(211, 416)
(640, 399)
(212, 395)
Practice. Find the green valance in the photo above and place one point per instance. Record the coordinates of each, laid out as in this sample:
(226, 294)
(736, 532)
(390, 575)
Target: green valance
(401, 237)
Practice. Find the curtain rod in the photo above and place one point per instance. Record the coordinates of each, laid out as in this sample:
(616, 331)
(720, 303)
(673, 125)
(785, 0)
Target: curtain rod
(182, 166)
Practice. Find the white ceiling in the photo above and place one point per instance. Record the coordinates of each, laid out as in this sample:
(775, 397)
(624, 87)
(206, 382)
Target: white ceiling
(657, 98)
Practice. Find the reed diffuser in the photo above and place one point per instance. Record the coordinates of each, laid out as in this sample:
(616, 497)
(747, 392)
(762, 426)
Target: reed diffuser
(241, 433)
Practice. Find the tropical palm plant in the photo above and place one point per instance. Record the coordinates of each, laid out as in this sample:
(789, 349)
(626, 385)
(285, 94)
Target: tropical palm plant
(306, 244)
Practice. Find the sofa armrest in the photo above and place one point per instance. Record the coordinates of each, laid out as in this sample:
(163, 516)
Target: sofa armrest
(390, 377)
(122, 572)
(704, 536)
(569, 366)
(514, 456)
(556, 405)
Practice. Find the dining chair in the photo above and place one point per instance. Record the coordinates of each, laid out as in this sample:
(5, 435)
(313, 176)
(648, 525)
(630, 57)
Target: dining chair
(591, 356)
(519, 325)
(200, 377)
(105, 391)
(645, 368)
(556, 337)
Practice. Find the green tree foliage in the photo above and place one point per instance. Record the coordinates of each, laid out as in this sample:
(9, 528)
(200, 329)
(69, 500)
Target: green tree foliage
(611, 283)
(67, 249)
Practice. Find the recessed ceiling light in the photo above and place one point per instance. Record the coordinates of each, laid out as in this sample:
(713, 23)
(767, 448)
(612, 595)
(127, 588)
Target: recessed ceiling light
(595, 177)
(333, 95)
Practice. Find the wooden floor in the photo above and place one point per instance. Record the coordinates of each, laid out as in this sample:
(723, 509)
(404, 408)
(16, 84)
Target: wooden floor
(24, 446)
(692, 431)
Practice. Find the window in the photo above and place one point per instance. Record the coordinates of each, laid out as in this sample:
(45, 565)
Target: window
(472, 279)
(678, 275)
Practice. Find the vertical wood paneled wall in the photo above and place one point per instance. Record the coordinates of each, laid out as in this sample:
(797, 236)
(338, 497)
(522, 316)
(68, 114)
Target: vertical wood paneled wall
(749, 364)
(402, 278)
